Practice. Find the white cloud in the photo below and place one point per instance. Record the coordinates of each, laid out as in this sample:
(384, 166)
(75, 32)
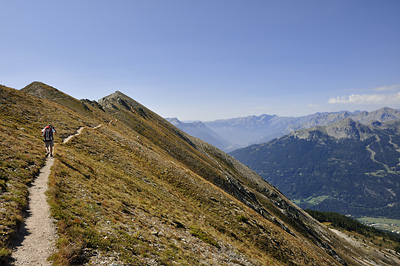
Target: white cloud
(388, 88)
(390, 98)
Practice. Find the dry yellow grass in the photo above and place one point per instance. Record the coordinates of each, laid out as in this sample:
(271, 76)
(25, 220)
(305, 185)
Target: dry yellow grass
(21, 153)
(138, 191)
(122, 196)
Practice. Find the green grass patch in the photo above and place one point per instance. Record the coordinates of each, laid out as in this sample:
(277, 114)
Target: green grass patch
(204, 236)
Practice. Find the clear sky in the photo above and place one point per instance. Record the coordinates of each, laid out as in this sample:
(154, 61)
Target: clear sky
(209, 59)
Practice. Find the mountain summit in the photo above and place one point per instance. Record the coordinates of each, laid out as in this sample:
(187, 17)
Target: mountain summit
(344, 129)
(43, 91)
(138, 191)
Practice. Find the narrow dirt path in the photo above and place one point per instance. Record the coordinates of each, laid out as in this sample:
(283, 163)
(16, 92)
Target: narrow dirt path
(78, 132)
(36, 239)
(96, 127)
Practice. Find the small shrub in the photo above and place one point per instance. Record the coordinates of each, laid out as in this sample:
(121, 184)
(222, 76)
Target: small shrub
(3, 185)
(205, 237)
(242, 218)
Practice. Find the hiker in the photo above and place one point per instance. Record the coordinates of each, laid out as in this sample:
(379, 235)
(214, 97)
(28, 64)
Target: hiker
(48, 135)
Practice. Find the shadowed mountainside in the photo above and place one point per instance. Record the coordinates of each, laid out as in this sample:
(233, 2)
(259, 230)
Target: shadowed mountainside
(137, 190)
(345, 167)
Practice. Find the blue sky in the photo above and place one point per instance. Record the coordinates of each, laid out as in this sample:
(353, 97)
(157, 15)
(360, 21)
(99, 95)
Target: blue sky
(209, 59)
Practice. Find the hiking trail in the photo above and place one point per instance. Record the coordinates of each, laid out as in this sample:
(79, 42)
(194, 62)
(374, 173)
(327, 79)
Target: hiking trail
(78, 132)
(36, 238)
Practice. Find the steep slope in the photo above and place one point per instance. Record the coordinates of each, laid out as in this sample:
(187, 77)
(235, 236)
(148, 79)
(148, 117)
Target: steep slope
(344, 167)
(139, 191)
(22, 151)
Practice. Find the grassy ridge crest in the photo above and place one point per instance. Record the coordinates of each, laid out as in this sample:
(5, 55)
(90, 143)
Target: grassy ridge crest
(138, 191)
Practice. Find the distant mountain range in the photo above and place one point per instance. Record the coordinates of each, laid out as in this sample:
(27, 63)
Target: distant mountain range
(346, 166)
(231, 134)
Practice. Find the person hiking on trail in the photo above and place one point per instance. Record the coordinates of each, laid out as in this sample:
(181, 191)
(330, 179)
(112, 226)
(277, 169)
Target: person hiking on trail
(48, 135)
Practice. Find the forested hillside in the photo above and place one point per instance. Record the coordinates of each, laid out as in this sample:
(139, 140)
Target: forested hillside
(345, 167)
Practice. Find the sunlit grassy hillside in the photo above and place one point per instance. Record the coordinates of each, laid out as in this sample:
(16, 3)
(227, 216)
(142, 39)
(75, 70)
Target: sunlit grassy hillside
(129, 201)
(22, 151)
(138, 191)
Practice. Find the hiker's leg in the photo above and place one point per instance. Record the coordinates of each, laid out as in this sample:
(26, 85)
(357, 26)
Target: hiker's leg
(51, 147)
(47, 144)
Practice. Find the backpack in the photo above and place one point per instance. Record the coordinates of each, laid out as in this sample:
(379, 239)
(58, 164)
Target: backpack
(48, 133)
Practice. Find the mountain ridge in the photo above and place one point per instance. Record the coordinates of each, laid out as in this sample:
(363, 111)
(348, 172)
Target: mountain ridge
(344, 129)
(143, 133)
(139, 191)
(245, 131)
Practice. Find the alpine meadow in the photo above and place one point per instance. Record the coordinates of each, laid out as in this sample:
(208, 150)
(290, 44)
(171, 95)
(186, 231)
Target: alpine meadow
(132, 189)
